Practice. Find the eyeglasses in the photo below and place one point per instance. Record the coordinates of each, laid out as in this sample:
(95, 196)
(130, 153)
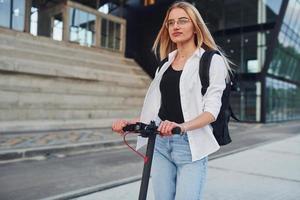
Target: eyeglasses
(180, 22)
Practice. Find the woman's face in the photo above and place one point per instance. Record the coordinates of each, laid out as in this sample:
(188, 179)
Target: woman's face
(180, 26)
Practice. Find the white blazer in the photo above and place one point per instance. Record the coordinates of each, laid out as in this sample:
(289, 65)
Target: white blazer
(202, 141)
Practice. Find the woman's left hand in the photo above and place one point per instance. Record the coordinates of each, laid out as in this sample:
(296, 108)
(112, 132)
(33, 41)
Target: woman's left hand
(165, 127)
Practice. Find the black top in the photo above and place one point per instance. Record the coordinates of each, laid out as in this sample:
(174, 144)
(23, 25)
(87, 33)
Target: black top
(170, 108)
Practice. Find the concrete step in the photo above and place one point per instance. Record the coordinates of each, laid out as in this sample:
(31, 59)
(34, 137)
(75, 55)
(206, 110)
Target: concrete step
(74, 72)
(60, 114)
(52, 100)
(66, 106)
(21, 53)
(45, 125)
(29, 83)
(54, 85)
(44, 44)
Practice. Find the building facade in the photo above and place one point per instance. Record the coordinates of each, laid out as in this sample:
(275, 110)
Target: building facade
(70, 21)
(261, 37)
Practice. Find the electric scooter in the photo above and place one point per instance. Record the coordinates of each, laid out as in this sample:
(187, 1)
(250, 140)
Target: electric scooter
(148, 131)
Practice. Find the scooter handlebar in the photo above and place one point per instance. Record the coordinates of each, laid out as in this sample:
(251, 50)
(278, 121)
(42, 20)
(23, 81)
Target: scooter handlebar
(145, 129)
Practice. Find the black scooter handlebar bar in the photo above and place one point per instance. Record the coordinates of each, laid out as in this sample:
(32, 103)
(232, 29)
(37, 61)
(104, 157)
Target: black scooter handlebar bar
(147, 129)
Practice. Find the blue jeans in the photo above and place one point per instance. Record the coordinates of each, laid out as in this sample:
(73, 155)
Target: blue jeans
(174, 175)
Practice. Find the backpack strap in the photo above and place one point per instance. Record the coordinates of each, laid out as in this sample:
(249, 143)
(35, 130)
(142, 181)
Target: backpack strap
(204, 69)
(232, 114)
(161, 63)
(204, 75)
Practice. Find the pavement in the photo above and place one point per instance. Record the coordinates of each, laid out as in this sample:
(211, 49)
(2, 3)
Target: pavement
(262, 162)
(39, 145)
(270, 172)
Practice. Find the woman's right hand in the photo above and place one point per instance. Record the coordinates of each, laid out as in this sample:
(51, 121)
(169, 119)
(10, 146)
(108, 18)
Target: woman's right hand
(118, 125)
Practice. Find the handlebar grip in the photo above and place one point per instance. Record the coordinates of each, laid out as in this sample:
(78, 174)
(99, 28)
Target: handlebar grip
(139, 128)
(176, 130)
(130, 127)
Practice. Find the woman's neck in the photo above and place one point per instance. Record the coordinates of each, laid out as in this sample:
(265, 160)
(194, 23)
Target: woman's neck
(185, 50)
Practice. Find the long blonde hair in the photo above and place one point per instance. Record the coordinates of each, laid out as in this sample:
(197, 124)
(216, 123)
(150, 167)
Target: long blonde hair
(202, 39)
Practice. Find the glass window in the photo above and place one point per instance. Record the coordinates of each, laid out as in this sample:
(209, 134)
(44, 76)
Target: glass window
(227, 14)
(286, 57)
(272, 9)
(91, 30)
(34, 21)
(248, 51)
(5, 13)
(246, 103)
(111, 28)
(57, 29)
(18, 15)
(82, 27)
(104, 33)
(233, 14)
(104, 9)
(212, 13)
(117, 36)
(110, 34)
(232, 47)
(272, 5)
(297, 26)
(282, 100)
(250, 10)
(296, 14)
(289, 12)
(12, 16)
(250, 58)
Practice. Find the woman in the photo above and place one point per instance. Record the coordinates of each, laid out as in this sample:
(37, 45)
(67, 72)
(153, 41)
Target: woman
(174, 99)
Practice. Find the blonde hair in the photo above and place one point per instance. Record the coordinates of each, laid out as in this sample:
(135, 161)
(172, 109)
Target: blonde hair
(202, 39)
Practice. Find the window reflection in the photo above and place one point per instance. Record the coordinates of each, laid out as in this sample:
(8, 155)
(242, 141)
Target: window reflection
(226, 14)
(5, 13)
(247, 50)
(246, 102)
(18, 15)
(12, 16)
(57, 29)
(110, 34)
(34, 21)
(82, 27)
(283, 100)
(286, 56)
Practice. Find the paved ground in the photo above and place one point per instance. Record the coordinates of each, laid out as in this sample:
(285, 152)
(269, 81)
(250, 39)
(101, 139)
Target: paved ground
(245, 136)
(10, 141)
(269, 172)
(38, 145)
(29, 144)
(34, 145)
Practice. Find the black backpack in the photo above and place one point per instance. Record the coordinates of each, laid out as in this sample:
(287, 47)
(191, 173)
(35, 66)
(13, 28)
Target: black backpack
(220, 126)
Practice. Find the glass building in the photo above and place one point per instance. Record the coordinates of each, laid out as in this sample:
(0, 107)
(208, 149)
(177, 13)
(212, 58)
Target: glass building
(260, 36)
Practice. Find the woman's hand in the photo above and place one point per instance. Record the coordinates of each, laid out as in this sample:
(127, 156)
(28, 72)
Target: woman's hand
(118, 125)
(165, 127)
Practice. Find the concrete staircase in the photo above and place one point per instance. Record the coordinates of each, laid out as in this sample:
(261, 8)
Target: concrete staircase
(51, 85)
